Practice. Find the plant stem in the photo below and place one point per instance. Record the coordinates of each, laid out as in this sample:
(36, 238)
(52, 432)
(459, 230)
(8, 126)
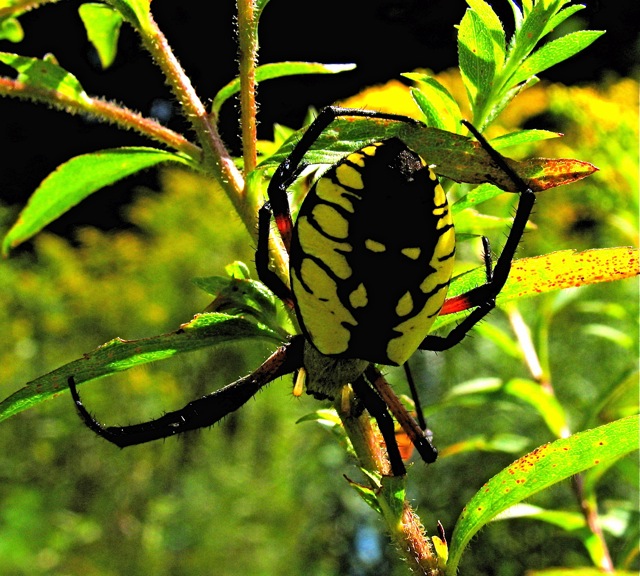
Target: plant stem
(405, 528)
(216, 157)
(248, 55)
(102, 110)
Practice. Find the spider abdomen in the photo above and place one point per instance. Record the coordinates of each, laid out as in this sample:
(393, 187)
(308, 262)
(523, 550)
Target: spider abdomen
(372, 255)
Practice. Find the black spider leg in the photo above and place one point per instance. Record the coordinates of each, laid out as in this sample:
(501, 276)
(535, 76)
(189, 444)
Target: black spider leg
(204, 411)
(376, 406)
(416, 399)
(267, 276)
(419, 438)
(484, 297)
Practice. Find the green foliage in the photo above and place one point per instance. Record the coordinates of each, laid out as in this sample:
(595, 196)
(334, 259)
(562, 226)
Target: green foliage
(568, 361)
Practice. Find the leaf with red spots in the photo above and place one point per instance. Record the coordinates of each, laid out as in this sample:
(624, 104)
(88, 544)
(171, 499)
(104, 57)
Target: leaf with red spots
(538, 470)
(459, 158)
(553, 271)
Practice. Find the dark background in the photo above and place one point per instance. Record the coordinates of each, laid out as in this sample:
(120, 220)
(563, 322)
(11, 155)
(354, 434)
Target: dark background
(383, 37)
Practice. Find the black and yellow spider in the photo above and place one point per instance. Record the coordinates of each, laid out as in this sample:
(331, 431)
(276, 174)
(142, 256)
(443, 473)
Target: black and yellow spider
(370, 258)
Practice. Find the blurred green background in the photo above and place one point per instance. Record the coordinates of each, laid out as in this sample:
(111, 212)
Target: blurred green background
(259, 494)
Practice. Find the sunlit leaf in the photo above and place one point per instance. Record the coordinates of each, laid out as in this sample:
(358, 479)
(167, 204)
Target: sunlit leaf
(436, 103)
(135, 12)
(477, 59)
(45, 75)
(553, 271)
(544, 403)
(102, 24)
(277, 70)
(522, 137)
(538, 470)
(76, 179)
(554, 52)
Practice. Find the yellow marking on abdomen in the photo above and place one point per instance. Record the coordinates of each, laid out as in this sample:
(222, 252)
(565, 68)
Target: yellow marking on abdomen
(358, 298)
(349, 177)
(405, 305)
(330, 221)
(413, 253)
(374, 245)
(313, 243)
(334, 194)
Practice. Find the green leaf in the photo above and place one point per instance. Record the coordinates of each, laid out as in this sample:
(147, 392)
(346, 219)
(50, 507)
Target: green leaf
(277, 70)
(456, 157)
(259, 7)
(241, 296)
(76, 179)
(523, 137)
(561, 16)
(45, 75)
(205, 330)
(507, 443)
(11, 30)
(494, 26)
(554, 52)
(475, 197)
(477, 59)
(538, 470)
(102, 24)
(436, 103)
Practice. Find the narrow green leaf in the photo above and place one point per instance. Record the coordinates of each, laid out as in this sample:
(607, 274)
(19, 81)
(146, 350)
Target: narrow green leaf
(436, 103)
(259, 7)
(76, 179)
(476, 58)
(391, 498)
(554, 52)
(561, 16)
(241, 296)
(432, 114)
(46, 75)
(277, 70)
(475, 197)
(523, 137)
(538, 470)
(102, 24)
(494, 26)
(504, 99)
(203, 331)
(529, 34)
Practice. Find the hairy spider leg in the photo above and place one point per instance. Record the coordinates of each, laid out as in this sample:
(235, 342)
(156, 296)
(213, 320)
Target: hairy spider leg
(200, 413)
(418, 436)
(483, 298)
(377, 408)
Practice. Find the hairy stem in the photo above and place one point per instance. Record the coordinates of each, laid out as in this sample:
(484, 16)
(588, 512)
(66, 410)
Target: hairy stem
(403, 524)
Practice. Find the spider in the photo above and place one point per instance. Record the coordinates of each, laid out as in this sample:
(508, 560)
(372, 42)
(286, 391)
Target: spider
(369, 275)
